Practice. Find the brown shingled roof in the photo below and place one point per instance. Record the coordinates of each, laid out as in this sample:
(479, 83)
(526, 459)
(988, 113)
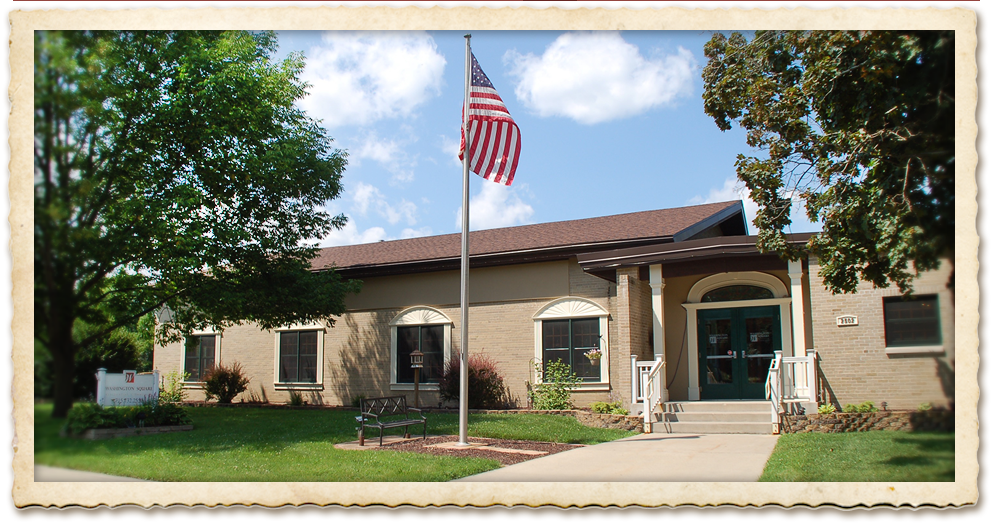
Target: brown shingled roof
(649, 226)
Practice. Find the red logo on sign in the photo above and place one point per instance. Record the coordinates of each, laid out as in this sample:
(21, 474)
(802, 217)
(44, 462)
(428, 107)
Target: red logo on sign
(129, 377)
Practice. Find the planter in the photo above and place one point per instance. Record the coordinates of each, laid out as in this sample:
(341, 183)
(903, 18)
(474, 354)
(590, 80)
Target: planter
(908, 421)
(96, 434)
(593, 361)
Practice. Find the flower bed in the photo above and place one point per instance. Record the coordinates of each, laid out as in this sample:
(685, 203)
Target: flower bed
(630, 423)
(907, 421)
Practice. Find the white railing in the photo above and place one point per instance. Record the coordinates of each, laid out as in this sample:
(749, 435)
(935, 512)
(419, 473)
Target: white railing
(772, 390)
(639, 369)
(792, 380)
(653, 388)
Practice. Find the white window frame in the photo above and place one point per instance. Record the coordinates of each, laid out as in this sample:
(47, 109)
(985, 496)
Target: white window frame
(931, 349)
(309, 386)
(568, 308)
(208, 331)
(416, 316)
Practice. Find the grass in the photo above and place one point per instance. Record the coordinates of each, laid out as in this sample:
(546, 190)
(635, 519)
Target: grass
(266, 444)
(862, 456)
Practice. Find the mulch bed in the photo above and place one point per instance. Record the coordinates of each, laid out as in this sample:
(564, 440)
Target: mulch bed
(505, 458)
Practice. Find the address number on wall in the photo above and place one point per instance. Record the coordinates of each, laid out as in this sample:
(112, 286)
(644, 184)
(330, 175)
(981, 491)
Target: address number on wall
(846, 321)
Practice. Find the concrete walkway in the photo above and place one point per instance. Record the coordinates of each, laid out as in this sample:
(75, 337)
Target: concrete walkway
(649, 457)
(44, 473)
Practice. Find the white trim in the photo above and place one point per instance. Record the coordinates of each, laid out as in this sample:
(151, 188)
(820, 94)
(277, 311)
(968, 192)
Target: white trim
(694, 304)
(657, 307)
(312, 386)
(570, 307)
(208, 331)
(567, 308)
(725, 279)
(416, 316)
(915, 349)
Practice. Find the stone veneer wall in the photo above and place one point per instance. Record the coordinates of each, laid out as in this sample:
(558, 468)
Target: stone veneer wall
(908, 421)
(357, 360)
(854, 362)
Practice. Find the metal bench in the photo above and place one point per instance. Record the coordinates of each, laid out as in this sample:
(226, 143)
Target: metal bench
(388, 412)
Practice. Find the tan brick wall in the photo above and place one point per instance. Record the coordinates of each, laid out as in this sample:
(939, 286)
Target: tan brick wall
(357, 358)
(853, 360)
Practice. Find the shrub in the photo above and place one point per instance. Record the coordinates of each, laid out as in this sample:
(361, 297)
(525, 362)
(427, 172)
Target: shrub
(486, 389)
(356, 400)
(225, 382)
(172, 390)
(614, 408)
(925, 406)
(557, 382)
(296, 399)
(826, 409)
(864, 407)
(89, 415)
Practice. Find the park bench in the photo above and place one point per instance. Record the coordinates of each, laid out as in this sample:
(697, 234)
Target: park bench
(388, 412)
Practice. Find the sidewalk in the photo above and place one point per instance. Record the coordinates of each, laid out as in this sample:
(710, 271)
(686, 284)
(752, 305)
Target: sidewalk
(45, 473)
(649, 457)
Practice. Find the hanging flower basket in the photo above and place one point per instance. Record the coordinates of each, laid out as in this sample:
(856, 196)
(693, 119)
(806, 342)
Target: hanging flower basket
(593, 356)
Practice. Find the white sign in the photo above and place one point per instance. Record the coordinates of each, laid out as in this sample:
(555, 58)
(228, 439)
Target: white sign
(846, 321)
(125, 389)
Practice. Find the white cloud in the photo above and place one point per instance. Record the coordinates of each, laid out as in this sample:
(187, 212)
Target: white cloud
(734, 189)
(496, 206)
(596, 77)
(389, 153)
(410, 233)
(367, 195)
(362, 77)
(350, 235)
(451, 147)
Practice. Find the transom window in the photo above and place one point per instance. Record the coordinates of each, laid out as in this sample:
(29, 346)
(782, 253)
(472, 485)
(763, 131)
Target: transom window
(568, 341)
(429, 340)
(737, 293)
(298, 356)
(201, 352)
(913, 321)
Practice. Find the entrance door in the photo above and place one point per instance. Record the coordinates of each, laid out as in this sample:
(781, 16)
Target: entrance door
(736, 347)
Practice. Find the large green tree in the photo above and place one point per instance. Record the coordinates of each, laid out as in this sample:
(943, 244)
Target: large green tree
(857, 124)
(174, 169)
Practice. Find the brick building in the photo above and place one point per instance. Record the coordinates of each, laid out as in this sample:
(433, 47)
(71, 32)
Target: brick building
(678, 298)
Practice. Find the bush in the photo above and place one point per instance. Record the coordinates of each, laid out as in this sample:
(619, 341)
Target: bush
(614, 408)
(826, 409)
(486, 389)
(172, 391)
(864, 407)
(89, 415)
(296, 399)
(225, 382)
(556, 384)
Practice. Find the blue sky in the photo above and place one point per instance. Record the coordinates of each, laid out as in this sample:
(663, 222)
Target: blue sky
(610, 123)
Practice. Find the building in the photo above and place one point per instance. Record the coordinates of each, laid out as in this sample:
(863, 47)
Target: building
(677, 299)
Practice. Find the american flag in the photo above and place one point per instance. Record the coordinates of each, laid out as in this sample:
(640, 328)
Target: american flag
(495, 138)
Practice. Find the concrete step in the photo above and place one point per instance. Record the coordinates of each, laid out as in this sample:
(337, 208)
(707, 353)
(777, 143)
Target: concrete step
(726, 406)
(715, 416)
(714, 427)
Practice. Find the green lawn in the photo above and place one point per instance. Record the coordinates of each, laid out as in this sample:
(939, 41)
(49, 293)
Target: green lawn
(862, 456)
(265, 444)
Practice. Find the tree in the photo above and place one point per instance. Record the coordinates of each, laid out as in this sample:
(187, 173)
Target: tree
(173, 169)
(857, 124)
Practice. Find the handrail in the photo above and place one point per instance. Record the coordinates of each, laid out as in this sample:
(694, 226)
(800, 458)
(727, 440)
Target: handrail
(653, 392)
(772, 390)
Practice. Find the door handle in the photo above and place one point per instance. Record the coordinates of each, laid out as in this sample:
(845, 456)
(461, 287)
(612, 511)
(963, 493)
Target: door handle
(730, 354)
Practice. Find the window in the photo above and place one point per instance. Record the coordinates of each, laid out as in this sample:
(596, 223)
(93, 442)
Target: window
(298, 356)
(737, 293)
(911, 322)
(568, 341)
(429, 340)
(426, 329)
(200, 357)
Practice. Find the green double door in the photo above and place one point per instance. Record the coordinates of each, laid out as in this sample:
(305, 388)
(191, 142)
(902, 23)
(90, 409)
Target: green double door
(736, 347)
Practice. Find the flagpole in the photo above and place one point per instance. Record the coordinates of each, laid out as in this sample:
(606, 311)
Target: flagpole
(463, 396)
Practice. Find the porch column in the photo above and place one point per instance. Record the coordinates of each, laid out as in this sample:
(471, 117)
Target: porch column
(797, 307)
(657, 306)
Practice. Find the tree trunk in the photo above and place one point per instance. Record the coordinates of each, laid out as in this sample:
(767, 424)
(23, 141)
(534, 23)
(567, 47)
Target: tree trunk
(64, 363)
